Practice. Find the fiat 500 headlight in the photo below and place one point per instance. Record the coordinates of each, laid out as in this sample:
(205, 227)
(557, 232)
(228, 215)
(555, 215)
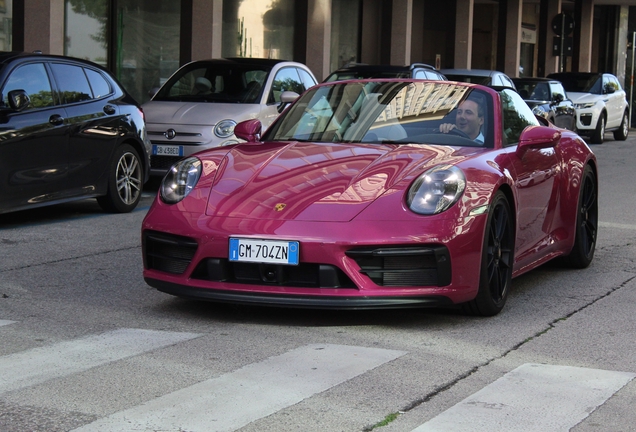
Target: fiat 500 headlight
(180, 180)
(436, 190)
(224, 128)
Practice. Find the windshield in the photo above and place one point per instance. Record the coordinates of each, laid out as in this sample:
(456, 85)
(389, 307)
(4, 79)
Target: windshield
(215, 82)
(349, 75)
(396, 112)
(533, 90)
(580, 83)
(483, 80)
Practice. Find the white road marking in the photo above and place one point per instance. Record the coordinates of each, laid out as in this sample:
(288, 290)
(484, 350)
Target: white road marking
(533, 397)
(38, 365)
(257, 390)
(617, 225)
(5, 322)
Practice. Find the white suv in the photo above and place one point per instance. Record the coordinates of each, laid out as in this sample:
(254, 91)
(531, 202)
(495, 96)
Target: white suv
(600, 103)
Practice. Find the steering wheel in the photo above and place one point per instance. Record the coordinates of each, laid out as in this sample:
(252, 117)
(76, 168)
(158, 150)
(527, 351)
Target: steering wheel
(455, 131)
(458, 132)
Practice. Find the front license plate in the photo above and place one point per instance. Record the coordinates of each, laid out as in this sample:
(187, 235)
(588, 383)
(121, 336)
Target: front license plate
(264, 251)
(161, 150)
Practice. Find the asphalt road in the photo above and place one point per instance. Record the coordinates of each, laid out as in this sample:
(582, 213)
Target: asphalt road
(85, 344)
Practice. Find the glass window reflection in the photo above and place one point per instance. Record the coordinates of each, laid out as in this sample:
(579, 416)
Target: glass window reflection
(258, 28)
(6, 25)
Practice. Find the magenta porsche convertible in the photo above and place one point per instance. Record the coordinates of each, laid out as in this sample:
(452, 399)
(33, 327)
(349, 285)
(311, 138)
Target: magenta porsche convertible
(376, 194)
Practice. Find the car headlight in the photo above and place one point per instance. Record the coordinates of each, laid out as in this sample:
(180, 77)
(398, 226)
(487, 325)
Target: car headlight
(436, 190)
(224, 128)
(180, 180)
(538, 110)
(584, 105)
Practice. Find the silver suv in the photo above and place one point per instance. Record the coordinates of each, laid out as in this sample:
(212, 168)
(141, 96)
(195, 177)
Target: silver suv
(199, 105)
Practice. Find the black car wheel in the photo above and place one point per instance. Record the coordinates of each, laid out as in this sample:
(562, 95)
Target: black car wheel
(621, 133)
(125, 181)
(586, 223)
(599, 133)
(496, 262)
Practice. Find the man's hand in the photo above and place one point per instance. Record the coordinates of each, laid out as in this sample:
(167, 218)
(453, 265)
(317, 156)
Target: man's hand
(446, 127)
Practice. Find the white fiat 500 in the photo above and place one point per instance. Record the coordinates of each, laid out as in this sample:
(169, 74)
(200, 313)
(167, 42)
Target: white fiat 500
(600, 103)
(198, 107)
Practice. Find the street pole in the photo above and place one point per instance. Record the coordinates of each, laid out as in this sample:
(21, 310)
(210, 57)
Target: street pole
(631, 81)
(562, 63)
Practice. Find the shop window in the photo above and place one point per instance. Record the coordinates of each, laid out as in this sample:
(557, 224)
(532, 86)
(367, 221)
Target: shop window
(6, 25)
(258, 28)
(345, 38)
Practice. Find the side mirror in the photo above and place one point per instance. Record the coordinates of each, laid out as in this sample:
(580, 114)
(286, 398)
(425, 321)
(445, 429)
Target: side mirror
(18, 100)
(609, 89)
(249, 130)
(558, 98)
(537, 137)
(286, 98)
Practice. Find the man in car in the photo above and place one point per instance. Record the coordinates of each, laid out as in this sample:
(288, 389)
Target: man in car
(469, 119)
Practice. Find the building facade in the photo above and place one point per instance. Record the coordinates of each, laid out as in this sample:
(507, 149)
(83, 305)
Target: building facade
(144, 41)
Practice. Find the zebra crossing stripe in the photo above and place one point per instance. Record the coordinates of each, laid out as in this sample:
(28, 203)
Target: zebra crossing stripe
(257, 390)
(533, 397)
(38, 365)
(5, 322)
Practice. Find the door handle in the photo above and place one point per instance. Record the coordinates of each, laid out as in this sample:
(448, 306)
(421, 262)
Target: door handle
(109, 109)
(56, 119)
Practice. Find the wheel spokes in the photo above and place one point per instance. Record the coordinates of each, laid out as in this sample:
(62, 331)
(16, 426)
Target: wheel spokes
(589, 215)
(128, 178)
(499, 253)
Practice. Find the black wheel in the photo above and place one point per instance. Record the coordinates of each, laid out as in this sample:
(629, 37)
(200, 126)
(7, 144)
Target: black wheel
(496, 260)
(599, 133)
(125, 181)
(621, 133)
(586, 223)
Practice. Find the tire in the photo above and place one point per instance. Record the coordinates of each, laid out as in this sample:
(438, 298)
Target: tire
(586, 223)
(621, 133)
(599, 133)
(125, 181)
(497, 257)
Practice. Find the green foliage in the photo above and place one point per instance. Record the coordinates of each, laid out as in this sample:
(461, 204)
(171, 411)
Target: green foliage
(41, 99)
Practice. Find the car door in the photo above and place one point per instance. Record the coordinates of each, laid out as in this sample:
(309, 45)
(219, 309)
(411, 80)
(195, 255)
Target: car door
(616, 101)
(93, 124)
(536, 175)
(33, 141)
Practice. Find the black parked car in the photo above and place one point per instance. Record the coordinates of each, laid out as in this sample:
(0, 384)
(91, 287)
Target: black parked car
(548, 99)
(362, 71)
(68, 131)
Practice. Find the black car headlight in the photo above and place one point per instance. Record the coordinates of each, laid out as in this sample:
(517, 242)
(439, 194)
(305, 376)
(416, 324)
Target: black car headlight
(180, 180)
(436, 190)
(538, 110)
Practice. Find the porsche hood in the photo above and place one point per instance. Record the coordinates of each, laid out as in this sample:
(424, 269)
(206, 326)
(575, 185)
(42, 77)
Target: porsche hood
(315, 182)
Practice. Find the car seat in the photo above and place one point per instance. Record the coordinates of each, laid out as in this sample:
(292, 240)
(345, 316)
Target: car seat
(251, 92)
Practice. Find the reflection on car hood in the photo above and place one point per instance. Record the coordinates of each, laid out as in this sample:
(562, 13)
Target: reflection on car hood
(317, 182)
(197, 113)
(577, 97)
